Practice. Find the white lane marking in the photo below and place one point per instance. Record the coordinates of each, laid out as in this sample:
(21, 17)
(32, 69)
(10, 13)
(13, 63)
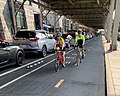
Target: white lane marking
(69, 51)
(14, 80)
(24, 66)
(25, 75)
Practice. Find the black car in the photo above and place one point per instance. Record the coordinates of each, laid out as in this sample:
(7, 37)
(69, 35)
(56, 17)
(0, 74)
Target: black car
(10, 54)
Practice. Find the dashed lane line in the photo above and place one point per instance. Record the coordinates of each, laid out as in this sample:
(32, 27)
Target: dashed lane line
(14, 80)
(24, 66)
(25, 75)
(59, 83)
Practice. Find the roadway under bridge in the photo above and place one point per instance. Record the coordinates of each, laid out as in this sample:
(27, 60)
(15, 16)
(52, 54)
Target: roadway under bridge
(97, 14)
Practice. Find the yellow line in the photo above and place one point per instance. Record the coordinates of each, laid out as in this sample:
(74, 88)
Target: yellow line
(59, 83)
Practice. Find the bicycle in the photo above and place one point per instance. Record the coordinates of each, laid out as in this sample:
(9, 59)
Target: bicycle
(59, 59)
(80, 55)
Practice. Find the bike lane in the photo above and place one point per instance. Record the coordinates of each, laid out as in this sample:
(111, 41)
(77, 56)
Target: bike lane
(87, 79)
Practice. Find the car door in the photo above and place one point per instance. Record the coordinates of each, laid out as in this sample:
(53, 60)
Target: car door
(51, 42)
(46, 40)
(4, 54)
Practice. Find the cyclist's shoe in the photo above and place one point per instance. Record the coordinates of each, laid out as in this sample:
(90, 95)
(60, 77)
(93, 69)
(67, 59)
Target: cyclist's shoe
(82, 56)
(63, 65)
(76, 64)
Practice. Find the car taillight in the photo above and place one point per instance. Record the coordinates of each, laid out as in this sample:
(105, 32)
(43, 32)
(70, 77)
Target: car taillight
(15, 38)
(34, 39)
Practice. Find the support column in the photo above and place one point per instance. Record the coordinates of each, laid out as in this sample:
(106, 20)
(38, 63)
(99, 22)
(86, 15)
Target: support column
(110, 20)
(116, 26)
(106, 26)
(41, 18)
(77, 27)
(55, 15)
(13, 16)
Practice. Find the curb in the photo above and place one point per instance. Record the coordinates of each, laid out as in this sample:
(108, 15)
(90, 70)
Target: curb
(110, 90)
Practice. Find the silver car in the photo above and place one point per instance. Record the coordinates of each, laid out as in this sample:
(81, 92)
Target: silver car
(10, 54)
(35, 41)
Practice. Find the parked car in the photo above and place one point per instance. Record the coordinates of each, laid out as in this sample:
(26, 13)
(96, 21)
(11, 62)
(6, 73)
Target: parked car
(90, 36)
(87, 37)
(10, 54)
(35, 41)
(67, 42)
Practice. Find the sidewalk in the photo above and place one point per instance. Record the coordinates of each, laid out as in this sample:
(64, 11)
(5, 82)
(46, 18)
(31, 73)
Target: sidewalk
(112, 60)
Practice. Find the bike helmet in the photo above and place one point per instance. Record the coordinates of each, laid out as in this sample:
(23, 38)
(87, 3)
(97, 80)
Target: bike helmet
(59, 34)
(79, 32)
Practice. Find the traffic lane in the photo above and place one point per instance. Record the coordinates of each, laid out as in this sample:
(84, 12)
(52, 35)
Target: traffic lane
(23, 70)
(36, 79)
(15, 74)
(78, 81)
(28, 58)
(12, 75)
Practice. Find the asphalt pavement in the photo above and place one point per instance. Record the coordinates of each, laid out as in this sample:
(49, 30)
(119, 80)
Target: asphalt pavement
(87, 79)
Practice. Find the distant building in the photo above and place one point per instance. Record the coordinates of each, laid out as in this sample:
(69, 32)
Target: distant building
(28, 17)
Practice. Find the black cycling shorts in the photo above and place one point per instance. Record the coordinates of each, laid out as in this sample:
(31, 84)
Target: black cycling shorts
(80, 43)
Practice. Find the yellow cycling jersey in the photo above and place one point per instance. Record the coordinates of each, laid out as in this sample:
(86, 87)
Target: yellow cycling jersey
(80, 37)
(61, 41)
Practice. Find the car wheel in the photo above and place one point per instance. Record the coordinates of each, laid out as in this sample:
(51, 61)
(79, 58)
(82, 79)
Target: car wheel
(44, 51)
(19, 58)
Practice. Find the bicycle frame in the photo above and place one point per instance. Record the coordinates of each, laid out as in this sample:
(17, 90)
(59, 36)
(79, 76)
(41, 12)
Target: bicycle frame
(59, 57)
(79, 55)
(59, 61)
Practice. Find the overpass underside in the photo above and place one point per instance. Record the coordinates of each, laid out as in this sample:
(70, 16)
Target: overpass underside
(92, 13)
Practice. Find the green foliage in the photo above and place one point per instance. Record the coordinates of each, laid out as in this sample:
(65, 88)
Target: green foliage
(118, 38)
(119, 28)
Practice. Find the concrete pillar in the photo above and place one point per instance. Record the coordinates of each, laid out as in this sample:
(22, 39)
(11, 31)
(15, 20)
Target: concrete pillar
(13, 16)
(106, 26)
(116, 26)
(41, 18)
(110, 20)
(55, 16)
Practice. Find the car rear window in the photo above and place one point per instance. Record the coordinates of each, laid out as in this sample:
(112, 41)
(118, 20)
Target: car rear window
(25, 34)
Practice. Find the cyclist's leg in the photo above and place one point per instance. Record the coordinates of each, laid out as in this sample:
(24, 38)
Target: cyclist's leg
(59, 57)
(63, 57)
(83, 52)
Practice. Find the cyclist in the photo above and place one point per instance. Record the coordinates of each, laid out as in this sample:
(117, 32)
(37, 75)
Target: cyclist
(80, 40)
(60, 42)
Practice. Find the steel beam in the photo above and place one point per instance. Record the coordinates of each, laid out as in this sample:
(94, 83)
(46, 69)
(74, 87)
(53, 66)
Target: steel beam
(98, 2)
(79, 9)
(20, 7)
(75, 2)
(71, 2)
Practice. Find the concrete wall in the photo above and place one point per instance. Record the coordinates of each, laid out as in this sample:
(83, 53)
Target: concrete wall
(5, 19)
(30, 10)
(29, 16)
(50, 18)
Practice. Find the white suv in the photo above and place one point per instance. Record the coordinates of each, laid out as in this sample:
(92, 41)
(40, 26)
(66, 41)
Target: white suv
(34, 41)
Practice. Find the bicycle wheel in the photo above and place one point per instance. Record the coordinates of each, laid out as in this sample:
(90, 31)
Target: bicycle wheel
(56, 66)
(79, 58)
